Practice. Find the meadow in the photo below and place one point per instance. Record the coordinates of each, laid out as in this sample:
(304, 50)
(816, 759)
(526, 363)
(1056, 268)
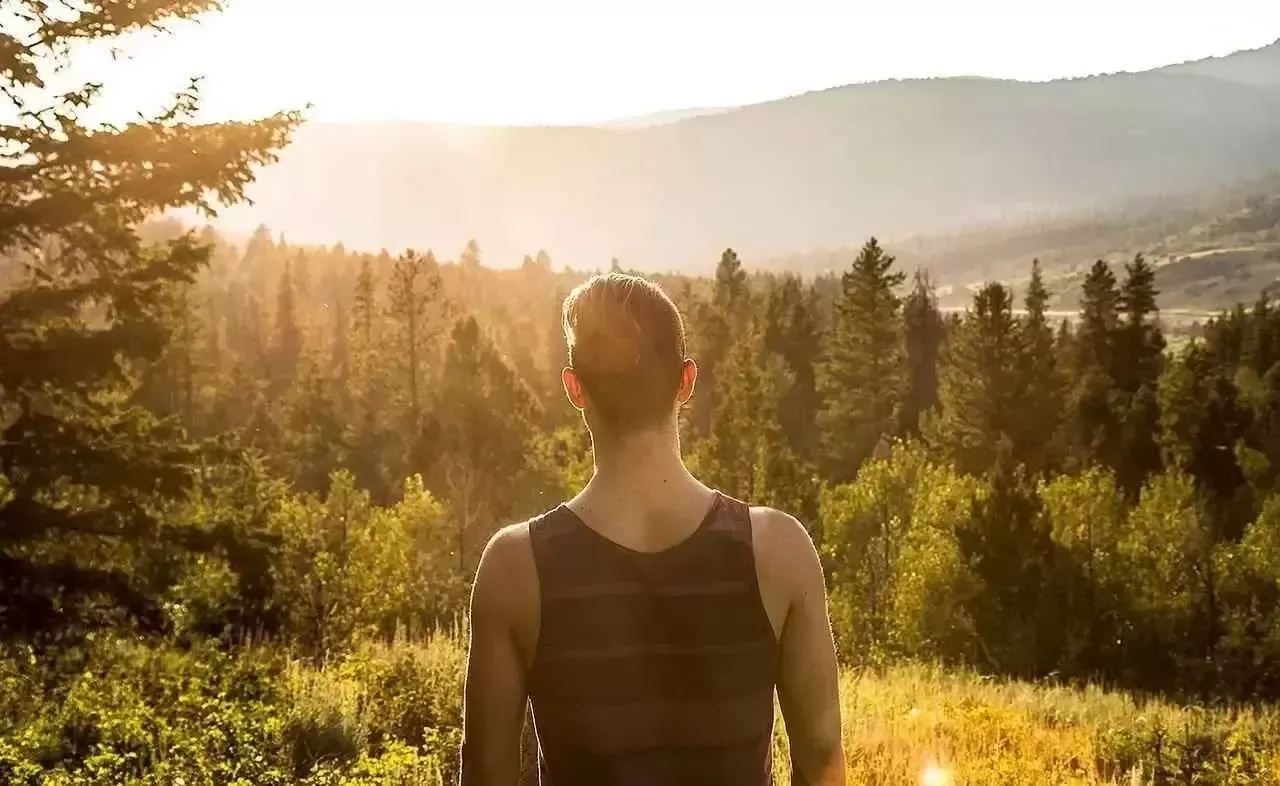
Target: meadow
(122, 712)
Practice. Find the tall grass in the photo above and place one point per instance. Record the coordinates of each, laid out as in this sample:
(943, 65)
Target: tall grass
(916, 724)
(390, 713)
(911, 724)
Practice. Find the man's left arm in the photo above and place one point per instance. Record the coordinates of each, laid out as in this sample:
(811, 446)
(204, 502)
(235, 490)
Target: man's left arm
(809, 682)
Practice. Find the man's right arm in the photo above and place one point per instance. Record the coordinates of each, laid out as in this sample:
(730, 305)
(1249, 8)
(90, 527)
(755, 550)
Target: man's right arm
(502, 602)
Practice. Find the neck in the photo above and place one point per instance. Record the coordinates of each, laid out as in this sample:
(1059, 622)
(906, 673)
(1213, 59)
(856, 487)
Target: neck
(641, 465)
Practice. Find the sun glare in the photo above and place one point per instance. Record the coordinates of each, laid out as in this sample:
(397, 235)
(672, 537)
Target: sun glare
(934, 775)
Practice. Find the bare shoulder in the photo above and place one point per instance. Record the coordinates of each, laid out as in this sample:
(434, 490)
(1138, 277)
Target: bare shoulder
(505, 599)
(780, 538)
(506, 575)
(787, 565)
(509, 543)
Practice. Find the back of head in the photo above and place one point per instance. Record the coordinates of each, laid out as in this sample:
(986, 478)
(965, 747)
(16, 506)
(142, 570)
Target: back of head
(627, 347)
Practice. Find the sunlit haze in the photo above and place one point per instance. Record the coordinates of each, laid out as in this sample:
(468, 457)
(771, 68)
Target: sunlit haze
(574, 61)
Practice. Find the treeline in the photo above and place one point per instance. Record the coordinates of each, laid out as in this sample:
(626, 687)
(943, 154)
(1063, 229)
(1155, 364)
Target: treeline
(987, 487)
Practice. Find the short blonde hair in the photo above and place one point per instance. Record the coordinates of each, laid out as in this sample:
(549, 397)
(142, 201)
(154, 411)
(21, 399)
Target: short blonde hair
(626, 343)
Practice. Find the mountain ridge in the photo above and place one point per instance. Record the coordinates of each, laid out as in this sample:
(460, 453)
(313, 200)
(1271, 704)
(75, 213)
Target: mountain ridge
(1189, 67)
(821, 169)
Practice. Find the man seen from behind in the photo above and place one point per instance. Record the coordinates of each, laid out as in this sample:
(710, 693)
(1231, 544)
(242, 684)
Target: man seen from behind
(648, 621)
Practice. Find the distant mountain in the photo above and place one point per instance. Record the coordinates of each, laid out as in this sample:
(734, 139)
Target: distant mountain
(817, 171)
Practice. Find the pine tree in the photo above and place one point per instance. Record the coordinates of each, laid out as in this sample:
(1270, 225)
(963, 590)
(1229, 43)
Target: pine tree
(254, 377)
(793, 334)
(717, 326)
(286, 343)
(1064, 339)
(747, 398)
(1042, 409)
(1225, 337)
(982, 388)
(301, 278)
(1201, 422)
(471, 275)
(731, 296)
(414, 308)
(726, 457)
(1038, 332)
(861, 378)
(470, 257)
(368, 426)
(340, 362)
(1094, 407)
(313, 433)
(485, 415)
(92, 311)
(747, 454)
(169, 386)
(213, 357)
(923, 333)
(259, 255)
(1140, 343)
(1138, 363)
(1099, 319)
(364, 316)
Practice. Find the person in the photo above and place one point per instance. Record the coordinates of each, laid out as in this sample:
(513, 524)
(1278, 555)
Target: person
(648, 621)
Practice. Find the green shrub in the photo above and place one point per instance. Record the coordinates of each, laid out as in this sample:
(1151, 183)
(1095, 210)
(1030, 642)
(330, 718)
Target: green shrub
(377, 696)
(128, 713)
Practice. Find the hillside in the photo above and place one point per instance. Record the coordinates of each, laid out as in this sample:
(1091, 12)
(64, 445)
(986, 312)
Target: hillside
(816, 171)
(1212, 249)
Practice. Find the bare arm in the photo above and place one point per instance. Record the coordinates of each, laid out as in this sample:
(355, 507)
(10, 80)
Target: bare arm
(809, 682)
(495, 691)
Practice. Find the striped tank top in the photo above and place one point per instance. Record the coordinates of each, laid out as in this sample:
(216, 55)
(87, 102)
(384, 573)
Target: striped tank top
(652, 669)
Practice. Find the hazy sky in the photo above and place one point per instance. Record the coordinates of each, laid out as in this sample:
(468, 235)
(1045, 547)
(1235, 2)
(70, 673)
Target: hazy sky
(575, 61)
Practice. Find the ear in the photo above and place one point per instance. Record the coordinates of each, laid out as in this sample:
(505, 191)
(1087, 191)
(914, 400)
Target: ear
(688, 376)
(573, 388)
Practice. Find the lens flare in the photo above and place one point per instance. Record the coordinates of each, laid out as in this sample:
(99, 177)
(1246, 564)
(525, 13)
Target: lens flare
(934, 775)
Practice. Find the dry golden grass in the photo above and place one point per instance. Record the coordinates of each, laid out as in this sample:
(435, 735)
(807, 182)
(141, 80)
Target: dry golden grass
(921, 725)
(916, 725)
(390, 715)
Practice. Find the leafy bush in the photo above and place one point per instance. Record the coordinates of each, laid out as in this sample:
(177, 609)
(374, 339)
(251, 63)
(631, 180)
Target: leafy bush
(117, 711)
(378, 696)
(898, 580)
(349, 568)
